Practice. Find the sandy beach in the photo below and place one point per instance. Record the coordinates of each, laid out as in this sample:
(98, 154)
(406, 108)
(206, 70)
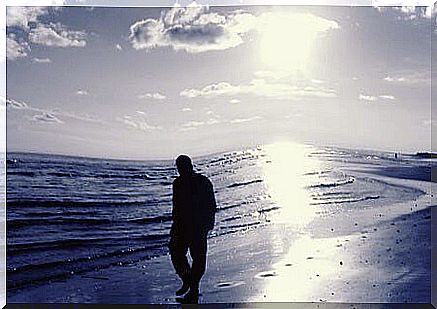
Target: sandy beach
(367, 255)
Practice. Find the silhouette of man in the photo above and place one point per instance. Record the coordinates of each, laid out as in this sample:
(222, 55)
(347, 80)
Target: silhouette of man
(193, 215)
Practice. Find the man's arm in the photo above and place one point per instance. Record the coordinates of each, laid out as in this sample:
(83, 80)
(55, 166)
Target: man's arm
(212, 206)
(175, 209)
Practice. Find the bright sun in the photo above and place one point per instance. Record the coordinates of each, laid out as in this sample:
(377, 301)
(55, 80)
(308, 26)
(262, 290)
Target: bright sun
(287, 39)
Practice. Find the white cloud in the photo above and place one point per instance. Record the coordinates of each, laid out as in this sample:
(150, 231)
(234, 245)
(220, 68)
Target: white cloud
(242, 120)
(421, 77)
(118, 47)
(45, 115)
(394, 79)
(47, 118)
(24, 17)
(11, 103)
(21, 16)
(82, 92)
(140, 112)
(139, 124)
(186, 109)
(193, 124)
(367, 97)
(408, 12)
(193, 29)
(234, 101)
(41, 60)
(372, 98)
(16, 48)
(56, 35)
(261, 88)
(387, 97)
(154, 96)
(196, 29)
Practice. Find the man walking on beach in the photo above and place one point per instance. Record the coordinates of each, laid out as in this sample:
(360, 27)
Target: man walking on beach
(193, 215)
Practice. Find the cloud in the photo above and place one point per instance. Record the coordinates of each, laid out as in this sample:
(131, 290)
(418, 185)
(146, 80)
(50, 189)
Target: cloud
(410, 78)
(41, 60)
(407, 12)
(234, 101)
(48, 115)
(372, 98)
(186, 109)
(47, 118)
(118, 47)
(11, 103)
(26, 21)
(154, 96)
(16, 48)
(387, 97)
(139, 124)
(394, 79)
(193, 29)
(196, 29)
(367, 97)
(82, 92)
(21, 16)
(242, 120)
(56, 35)
(260, 88)
(192, 124)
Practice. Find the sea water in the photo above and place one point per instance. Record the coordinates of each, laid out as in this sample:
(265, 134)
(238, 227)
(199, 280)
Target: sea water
(67, 215)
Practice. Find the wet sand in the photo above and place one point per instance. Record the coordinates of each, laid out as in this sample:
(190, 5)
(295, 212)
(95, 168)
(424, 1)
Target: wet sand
(366, 255)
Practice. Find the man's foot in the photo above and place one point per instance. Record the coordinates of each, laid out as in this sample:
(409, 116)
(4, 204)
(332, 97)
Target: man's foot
(184, 289)
(192, 297)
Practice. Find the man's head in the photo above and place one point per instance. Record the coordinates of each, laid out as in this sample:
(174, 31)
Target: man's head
(184, 165)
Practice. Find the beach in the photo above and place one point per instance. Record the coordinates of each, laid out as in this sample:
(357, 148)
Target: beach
(374, 250)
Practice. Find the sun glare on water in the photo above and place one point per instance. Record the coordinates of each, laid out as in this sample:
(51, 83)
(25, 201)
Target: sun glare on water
(287, 39)
(284, 174)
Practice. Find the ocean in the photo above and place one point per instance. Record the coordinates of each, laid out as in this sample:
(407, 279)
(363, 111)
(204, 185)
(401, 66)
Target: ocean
(68, 215)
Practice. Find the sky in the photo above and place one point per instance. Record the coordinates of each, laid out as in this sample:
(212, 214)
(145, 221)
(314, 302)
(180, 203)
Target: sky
(150, 83)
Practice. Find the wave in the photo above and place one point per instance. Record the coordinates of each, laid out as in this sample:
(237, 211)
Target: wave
(67, 203)
(17, 223)
(73, 174)
(16, 248)
(244, 225)
(239, 184)
(157, 219)
(334, 184)
(264, 210)
(353, 200)
(21, 173)
(31, 273)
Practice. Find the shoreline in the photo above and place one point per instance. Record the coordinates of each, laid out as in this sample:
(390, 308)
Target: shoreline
(337, 259)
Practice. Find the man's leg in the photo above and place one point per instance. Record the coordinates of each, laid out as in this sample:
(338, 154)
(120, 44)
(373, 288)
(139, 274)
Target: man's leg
(178, 252)
(198, 248)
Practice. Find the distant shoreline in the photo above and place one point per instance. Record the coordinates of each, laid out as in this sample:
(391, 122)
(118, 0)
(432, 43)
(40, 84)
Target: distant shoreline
(419, 154)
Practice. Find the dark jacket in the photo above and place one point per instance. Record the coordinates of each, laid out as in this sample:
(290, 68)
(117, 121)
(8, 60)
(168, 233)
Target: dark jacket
(194, 204)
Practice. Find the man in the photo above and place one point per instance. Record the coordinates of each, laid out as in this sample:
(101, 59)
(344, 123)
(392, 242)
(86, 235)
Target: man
(193, 215)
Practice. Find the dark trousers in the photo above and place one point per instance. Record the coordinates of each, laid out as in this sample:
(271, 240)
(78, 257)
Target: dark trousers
(179, 245)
